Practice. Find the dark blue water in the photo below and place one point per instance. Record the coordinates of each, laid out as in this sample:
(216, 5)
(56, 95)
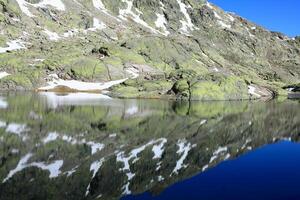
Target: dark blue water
(268, 173)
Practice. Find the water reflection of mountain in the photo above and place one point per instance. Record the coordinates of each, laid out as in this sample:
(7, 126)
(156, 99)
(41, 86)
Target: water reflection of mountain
(110, 148)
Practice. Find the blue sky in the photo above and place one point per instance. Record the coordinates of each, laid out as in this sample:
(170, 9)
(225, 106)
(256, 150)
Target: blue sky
(275, 15)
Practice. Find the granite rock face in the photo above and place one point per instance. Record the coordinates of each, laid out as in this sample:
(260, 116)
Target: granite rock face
(191, 44)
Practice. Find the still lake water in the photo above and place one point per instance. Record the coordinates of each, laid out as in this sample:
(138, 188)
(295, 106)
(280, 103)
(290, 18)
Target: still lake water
(72, 147)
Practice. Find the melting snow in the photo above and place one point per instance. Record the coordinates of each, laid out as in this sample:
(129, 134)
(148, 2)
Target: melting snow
(70, 33)
(79, 85)
(13, 45)
(100, 6)
(224, 25)
(4, 74)
(204, 121)
(133, 72)
(251, 90)
(52, 35)
(58, 4)
(231, 18)
(124, 13)
(161, 22)
(97, 25)
(187, 23)
(112, 135)
(23, 6)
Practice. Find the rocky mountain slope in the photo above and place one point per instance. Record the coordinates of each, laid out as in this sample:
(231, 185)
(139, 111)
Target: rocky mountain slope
(185, 49)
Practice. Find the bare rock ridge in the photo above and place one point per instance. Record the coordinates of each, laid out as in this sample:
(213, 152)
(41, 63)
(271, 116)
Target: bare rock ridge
(184, 49)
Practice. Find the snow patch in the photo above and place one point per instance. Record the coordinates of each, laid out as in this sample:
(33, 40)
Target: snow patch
(133, 72)
(223, 24)
(52, 35)
(252, 91)
(97, 25)
(127, 12)
(79, 85)
(58, 4)
(23, 6)
(187, 23)
(13, 45)
(161, 22)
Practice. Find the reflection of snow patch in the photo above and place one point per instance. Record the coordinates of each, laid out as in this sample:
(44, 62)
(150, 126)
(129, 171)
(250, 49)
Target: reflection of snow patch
(54, 100)
(16, 128)
(95, 166)
(2, 124)
(158, 149)
(53, 168)
(3, 103)
(183, 151)
(132, 110)
(219, 151)
(51, 137)
(121, 157)
(95, 147)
